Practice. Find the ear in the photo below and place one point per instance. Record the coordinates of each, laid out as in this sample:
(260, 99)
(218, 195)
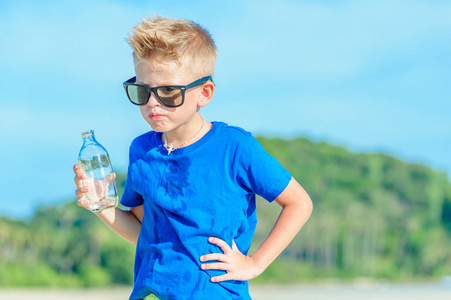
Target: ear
(206, 93)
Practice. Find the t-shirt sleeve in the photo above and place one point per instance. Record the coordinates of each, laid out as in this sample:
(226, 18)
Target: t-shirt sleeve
(259, 171)
(130, 197)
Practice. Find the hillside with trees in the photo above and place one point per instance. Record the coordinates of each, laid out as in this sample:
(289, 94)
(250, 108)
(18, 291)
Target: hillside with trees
(374, 216)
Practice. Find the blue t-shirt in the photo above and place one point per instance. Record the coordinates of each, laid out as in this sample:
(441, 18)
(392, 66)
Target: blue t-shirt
(202, 190)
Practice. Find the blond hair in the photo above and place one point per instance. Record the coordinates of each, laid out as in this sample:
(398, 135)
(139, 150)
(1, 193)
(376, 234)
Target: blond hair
(181, 41)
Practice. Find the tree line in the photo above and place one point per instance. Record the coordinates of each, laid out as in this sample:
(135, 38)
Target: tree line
(374, 216)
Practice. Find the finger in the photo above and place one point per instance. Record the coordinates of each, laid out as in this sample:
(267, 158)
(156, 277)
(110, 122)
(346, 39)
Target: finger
(234, 246)
(223, 245)
(80, 174)
(221, 278)
(79, 170)
(83, 202)
(111, 176)
(81, 191)
(213, 256)
(109, 179)
(77, 180)
(76, 168)
(214, 266)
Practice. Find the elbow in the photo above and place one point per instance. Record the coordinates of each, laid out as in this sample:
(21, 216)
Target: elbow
(304, 208)
(309, 207)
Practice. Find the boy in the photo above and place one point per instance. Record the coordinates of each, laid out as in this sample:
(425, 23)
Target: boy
(191, 184)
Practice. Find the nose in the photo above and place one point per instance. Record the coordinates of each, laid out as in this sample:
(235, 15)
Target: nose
(153, 101)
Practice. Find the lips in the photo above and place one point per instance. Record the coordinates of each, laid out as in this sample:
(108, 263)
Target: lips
(155, 116)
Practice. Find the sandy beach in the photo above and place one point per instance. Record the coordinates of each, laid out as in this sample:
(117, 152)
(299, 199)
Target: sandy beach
(259, 292)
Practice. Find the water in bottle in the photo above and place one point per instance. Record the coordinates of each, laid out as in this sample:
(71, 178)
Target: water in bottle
(94, 160)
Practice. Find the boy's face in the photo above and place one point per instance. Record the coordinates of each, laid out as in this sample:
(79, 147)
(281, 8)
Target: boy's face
(161, 73)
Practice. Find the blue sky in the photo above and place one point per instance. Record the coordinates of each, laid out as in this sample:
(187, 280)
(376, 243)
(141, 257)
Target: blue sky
(373, 76)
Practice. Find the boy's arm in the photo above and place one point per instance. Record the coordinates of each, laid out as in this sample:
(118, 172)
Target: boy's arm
(296, 209)
(126, 224)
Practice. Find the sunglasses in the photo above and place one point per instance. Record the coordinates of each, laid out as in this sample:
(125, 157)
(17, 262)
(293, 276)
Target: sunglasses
(167, 95)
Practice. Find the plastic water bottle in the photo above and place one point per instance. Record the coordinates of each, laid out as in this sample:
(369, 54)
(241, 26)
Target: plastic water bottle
(94, 160)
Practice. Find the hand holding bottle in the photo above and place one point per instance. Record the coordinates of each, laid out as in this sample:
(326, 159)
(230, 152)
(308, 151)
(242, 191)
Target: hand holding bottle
(95, 180)
(93, 187)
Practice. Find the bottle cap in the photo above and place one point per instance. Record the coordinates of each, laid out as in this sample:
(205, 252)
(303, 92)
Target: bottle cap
(87, 133)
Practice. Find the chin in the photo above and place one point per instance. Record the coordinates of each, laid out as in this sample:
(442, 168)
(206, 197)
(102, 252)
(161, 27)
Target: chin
(155, 126)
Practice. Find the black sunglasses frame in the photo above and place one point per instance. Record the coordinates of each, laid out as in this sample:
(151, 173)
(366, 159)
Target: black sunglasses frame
(183, 88)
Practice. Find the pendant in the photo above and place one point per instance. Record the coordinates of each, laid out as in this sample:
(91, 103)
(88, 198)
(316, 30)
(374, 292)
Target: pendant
(169, 148)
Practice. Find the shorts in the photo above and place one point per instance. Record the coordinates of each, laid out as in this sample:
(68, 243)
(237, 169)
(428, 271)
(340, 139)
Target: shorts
(150, 297)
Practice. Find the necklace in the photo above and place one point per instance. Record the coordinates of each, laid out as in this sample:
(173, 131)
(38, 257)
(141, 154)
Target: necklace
(171, 147)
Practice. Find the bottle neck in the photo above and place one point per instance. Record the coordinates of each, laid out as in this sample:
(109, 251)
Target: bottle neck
(89, 138)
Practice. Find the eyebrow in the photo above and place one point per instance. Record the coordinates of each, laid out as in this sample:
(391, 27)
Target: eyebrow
(142, 83)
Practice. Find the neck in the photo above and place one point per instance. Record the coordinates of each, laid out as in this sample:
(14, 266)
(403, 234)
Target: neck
(185, 131)
(173, 140)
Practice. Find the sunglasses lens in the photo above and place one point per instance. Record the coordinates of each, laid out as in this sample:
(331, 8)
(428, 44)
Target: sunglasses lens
(138, 94)
(170, 96)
